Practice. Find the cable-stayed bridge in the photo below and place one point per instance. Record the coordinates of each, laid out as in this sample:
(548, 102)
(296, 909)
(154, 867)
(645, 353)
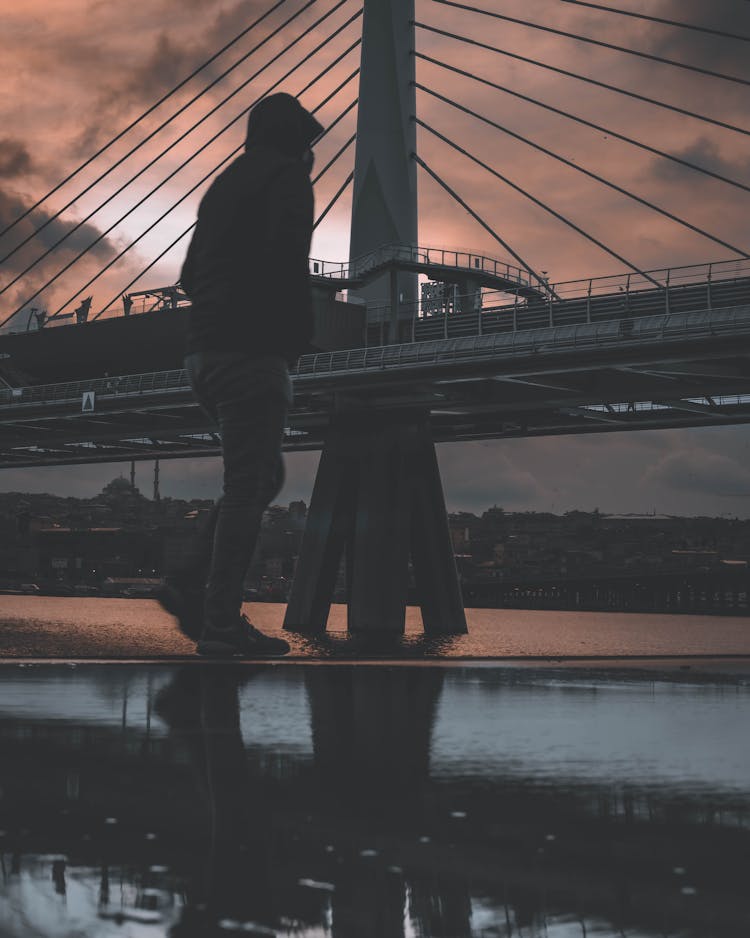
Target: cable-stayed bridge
(422, 344)
(580, 364)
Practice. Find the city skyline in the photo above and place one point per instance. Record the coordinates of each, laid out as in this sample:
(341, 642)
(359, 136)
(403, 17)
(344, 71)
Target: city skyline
(709, 484)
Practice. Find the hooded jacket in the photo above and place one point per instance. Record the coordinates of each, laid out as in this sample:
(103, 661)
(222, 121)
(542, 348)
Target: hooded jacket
(246, 271)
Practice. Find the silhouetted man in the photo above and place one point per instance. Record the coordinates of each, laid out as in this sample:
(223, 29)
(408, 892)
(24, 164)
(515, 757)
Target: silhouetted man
(246, 274)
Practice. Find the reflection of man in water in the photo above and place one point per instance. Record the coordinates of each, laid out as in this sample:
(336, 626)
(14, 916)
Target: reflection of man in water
(371, 731)
(246, 274)
(235, 876)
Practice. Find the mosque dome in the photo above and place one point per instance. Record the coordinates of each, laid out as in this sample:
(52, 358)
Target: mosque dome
(119, 488)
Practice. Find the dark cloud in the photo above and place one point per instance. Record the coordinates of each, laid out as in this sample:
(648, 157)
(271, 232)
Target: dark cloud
(705, 153)
(172, 56)
(682, 472)
(167, 64)
(700, 472)
(15, 159)
(703, 49)
(680, 86)
(231, 20)
(692, 46)
(475, 475)
(144, 83)
(12, 207)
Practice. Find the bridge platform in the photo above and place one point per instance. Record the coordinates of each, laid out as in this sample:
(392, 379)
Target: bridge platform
(439, 264)
(672, 369)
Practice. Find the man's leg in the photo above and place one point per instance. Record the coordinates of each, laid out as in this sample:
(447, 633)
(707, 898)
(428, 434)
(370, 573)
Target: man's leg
(183, 593)
(253, 475)
(251, 407)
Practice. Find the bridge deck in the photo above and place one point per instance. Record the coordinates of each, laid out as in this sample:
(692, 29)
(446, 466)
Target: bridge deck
(674, 369)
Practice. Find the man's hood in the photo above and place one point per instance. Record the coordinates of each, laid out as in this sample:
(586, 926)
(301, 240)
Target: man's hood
(280, 122)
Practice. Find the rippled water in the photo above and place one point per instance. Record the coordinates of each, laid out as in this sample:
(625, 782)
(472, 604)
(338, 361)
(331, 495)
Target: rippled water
(68, 627)
(336, 800)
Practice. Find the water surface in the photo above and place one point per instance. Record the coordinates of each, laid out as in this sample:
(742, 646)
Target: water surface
(337, 800)
(48, 626)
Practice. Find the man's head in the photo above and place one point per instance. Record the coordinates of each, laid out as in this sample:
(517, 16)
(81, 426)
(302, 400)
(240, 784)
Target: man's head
(280, 122)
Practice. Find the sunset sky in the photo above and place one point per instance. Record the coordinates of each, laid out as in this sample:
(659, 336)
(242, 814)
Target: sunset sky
(75, 73)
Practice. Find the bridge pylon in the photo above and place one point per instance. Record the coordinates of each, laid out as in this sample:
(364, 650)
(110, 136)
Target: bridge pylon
(384, 206)
(378, 498)
(378, 501)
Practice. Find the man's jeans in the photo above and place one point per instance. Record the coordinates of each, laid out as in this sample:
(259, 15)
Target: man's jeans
(247, 399)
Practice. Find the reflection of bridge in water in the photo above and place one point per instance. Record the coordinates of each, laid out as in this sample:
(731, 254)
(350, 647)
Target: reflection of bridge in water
(484, 349)
(519, 834)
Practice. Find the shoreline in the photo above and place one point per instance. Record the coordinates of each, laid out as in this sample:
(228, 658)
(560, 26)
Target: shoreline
(684, 666)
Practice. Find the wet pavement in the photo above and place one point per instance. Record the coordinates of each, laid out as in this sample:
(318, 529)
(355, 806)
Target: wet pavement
(329, 799)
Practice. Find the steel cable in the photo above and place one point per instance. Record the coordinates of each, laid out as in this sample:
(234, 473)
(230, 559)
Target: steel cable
(585, 78)
(145, 114)
(179, 201)
(596, 42)
(588, 172)
(150, 136)
(192, 157)
(146, 269)
(140, 237)
(187, 231)
(335, 157)
(420, 162)
(168, 148)
(658, 19)
(586, 123)
(334, 200)
(533, 199)
(149, 194)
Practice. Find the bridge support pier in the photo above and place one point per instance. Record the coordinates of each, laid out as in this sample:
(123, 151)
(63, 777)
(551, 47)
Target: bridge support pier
(377, 500)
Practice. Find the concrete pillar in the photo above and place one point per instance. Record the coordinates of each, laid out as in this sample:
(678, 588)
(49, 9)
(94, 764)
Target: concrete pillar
(384, 208)
(378, 496)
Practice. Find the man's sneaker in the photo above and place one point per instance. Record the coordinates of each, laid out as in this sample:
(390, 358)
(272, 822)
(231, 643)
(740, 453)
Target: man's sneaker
(186, 605)
(244, 640)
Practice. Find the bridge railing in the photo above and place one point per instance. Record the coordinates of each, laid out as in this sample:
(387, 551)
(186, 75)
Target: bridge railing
(696, 287)
(123, 386)
(605, 334)
(465, 261)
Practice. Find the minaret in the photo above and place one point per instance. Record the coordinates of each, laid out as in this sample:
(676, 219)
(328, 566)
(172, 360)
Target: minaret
(384, 208)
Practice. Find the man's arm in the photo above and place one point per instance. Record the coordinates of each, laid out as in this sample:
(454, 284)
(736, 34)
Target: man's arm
(290, 215)
(289, 232)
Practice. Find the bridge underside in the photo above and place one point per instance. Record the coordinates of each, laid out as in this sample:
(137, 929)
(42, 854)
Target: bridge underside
(178, 430)
(653, 373)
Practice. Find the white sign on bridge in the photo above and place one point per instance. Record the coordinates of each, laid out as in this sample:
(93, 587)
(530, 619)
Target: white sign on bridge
(87, 402)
